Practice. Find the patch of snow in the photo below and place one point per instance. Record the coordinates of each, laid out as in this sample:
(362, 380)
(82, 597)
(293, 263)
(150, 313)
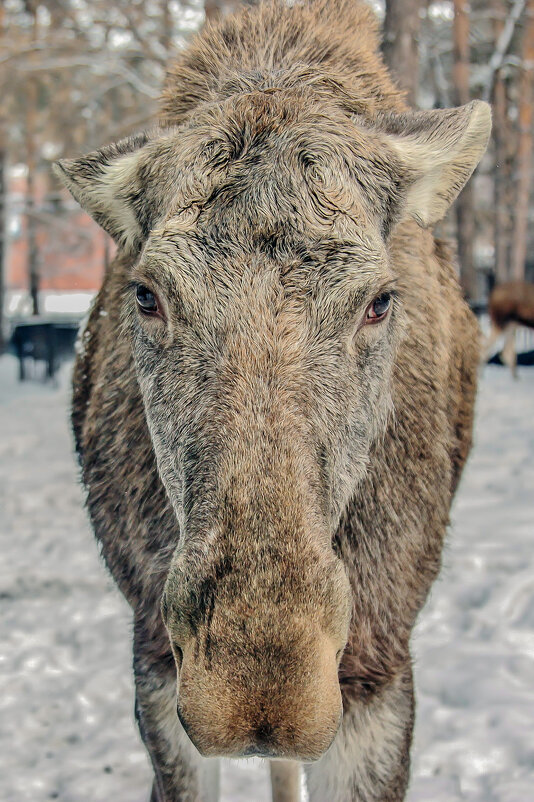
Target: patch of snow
(67, 728)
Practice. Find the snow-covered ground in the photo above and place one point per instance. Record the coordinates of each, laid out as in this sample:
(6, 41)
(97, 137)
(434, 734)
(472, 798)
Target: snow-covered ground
(66, 700)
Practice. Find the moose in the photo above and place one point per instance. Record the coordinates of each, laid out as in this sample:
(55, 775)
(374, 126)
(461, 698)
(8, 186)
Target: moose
(511, 304)
(273, 398)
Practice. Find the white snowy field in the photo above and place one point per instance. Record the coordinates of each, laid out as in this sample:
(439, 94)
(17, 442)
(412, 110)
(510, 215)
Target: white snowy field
(67, 730)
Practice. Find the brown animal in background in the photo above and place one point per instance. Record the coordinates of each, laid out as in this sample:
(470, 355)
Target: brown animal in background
(511, 304)
(274, 398)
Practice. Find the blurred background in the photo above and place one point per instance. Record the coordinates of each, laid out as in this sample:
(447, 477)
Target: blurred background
(76, 74)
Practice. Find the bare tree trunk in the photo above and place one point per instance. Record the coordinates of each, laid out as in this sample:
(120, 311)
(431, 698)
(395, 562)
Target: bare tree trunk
(3, 193)
(216, 8)
(400, 44)
(502, 178)
(524, 151)
(31, 164)
(502, 175)
(465, 218)
(502, 40)
(166, 33)
(31, 221)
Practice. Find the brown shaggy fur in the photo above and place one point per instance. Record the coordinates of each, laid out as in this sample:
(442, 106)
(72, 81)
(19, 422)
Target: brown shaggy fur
(511, 304)
(272, 469)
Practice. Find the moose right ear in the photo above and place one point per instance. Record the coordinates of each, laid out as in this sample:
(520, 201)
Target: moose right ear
(110, 184)
(438, 150)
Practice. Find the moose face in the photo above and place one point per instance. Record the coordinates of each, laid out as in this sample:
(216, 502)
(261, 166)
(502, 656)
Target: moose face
(264, 384)
(264, 320)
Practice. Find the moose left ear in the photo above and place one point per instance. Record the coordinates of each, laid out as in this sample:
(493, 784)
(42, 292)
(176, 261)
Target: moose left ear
(438, 151)
(111, 186)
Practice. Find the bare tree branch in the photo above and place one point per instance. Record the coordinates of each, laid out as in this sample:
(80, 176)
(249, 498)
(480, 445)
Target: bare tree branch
(102, 67)
(503, 43)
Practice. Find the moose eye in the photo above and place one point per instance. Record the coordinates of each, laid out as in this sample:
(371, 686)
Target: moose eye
(378, 309)
(146, 300)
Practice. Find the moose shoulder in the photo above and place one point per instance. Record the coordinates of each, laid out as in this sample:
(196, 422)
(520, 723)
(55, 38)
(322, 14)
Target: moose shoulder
(273, 412)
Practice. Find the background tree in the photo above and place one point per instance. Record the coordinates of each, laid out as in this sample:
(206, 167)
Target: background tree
(400, 44)
(472, 50)
(502, 134)
(73, 74)
(524, 151)
(3, 181)
(216, 8)
(465, 213)
(77, 73)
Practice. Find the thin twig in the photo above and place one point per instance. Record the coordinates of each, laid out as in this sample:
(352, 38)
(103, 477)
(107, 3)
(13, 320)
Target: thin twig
(503, 43)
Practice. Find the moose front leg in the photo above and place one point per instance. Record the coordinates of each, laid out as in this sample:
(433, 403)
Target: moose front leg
(181, 773)
(285, 780)
(369, 760)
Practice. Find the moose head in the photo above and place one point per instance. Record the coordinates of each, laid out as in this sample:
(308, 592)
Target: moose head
(264, 318)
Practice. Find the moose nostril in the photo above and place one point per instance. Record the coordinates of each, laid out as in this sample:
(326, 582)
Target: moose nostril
(264, 732)
(178, 654)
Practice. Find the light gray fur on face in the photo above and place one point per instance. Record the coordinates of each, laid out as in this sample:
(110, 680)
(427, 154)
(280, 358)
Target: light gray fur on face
(334, 373)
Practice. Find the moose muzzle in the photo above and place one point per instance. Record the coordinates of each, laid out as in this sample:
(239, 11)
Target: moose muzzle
(258, 664)
(268, 703)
